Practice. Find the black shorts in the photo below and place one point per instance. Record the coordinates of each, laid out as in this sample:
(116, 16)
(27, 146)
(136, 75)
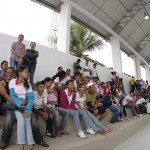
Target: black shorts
(101, 109)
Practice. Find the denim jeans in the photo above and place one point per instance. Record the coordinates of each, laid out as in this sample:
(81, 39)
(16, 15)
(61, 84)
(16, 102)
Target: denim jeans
(38, 138)
(24, 131)
(31, 69)
(94, 123)
(8, 125)
(142, 108)
(56, 112)
(85, 119)
(116, 112)
(75, 116)
(13, 64)
(49, 122)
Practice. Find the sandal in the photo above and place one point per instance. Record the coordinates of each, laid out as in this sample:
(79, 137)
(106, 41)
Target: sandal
(104, 132)
(44, 144)
(65, 133)
(110, 129)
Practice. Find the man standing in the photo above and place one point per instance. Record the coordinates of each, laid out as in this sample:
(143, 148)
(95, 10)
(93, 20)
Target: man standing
(31, 60)
(77, 67)
(132, 83)
(17, 52)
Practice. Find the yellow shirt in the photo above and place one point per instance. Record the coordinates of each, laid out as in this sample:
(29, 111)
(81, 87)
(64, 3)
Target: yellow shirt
(132, 81)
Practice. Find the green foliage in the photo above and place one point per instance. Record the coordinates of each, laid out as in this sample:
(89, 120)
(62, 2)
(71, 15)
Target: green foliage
(83, 40)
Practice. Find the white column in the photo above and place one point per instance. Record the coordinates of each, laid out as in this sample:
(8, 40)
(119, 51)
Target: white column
(137, 68)
(116, 54)
(147, 73)
(63, 41)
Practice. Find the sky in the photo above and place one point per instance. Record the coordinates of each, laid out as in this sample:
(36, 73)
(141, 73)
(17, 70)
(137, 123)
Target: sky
(35, 21)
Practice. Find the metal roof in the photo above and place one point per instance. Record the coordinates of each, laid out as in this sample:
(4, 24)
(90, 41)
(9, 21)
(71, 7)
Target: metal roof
(125, 17)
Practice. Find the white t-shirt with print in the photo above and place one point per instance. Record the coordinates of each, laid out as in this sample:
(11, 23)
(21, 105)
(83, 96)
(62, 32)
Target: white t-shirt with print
(126, 99)
(80, 99)
(39, 102)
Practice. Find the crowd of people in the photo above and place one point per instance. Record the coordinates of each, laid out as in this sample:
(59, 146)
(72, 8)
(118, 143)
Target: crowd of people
(81, 94)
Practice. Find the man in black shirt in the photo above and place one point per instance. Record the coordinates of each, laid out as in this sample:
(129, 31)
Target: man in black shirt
(30, 60)
(9, 115)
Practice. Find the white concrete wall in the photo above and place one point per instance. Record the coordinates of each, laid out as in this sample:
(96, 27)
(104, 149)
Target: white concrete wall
(50, 59)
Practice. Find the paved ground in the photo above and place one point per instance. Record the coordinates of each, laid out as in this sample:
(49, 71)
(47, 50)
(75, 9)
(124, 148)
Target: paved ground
(139, 141)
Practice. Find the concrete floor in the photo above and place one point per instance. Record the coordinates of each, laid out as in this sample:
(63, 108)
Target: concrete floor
(139, 141)
(128, 135)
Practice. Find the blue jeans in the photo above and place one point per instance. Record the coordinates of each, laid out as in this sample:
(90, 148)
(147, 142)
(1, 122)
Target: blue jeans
(13, 64)
(116, 112)
(24, 131)
(94, 123)
(31, 69)
(56, 112)
(84, 116)
(75, 116)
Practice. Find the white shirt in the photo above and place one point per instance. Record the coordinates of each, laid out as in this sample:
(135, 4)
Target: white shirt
(69, 97)
(75, 85)
(140, 101)
(148, 108)
(19, 89)
(86, 73)
(39, 102)
(126, 99)
(80, 99)
(119, 93)
(60, 82)
(94, 72)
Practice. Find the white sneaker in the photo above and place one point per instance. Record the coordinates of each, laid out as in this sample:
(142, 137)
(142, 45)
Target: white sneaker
(139, 115)
(90, 131)
(134, 117)
(81, 134)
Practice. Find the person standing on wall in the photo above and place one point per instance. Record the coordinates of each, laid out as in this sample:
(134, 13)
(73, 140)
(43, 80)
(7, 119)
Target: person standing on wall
(17, 52)
(30, 60)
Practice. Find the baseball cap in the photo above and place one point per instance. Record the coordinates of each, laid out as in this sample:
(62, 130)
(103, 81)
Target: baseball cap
(89, 84)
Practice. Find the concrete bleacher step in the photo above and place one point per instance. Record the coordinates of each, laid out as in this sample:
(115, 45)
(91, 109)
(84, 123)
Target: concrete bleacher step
(122, 131)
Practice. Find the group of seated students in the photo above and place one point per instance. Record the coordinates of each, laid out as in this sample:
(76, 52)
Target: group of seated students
(62, 95)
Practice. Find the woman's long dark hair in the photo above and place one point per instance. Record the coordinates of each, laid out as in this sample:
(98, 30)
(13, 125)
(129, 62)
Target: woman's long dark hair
(20, 69)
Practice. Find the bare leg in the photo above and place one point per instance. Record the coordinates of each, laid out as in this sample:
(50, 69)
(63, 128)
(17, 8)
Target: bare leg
(21, 147)
(30, 146)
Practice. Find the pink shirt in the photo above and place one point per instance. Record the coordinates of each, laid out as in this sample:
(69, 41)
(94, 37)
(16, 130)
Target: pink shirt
(18, 47)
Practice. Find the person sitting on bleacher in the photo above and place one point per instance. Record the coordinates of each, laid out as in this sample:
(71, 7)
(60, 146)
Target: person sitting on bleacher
(68, 75)
(40, 107)
(91, 100)
(52, 103)
(4, 65)
(9, 117)
(96, 125)
(128, 102)
(67, 101)
(107, 102)
(77, 81)
(141, 102)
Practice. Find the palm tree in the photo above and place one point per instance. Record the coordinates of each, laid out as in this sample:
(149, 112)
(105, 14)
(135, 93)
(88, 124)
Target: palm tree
(83, 40)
